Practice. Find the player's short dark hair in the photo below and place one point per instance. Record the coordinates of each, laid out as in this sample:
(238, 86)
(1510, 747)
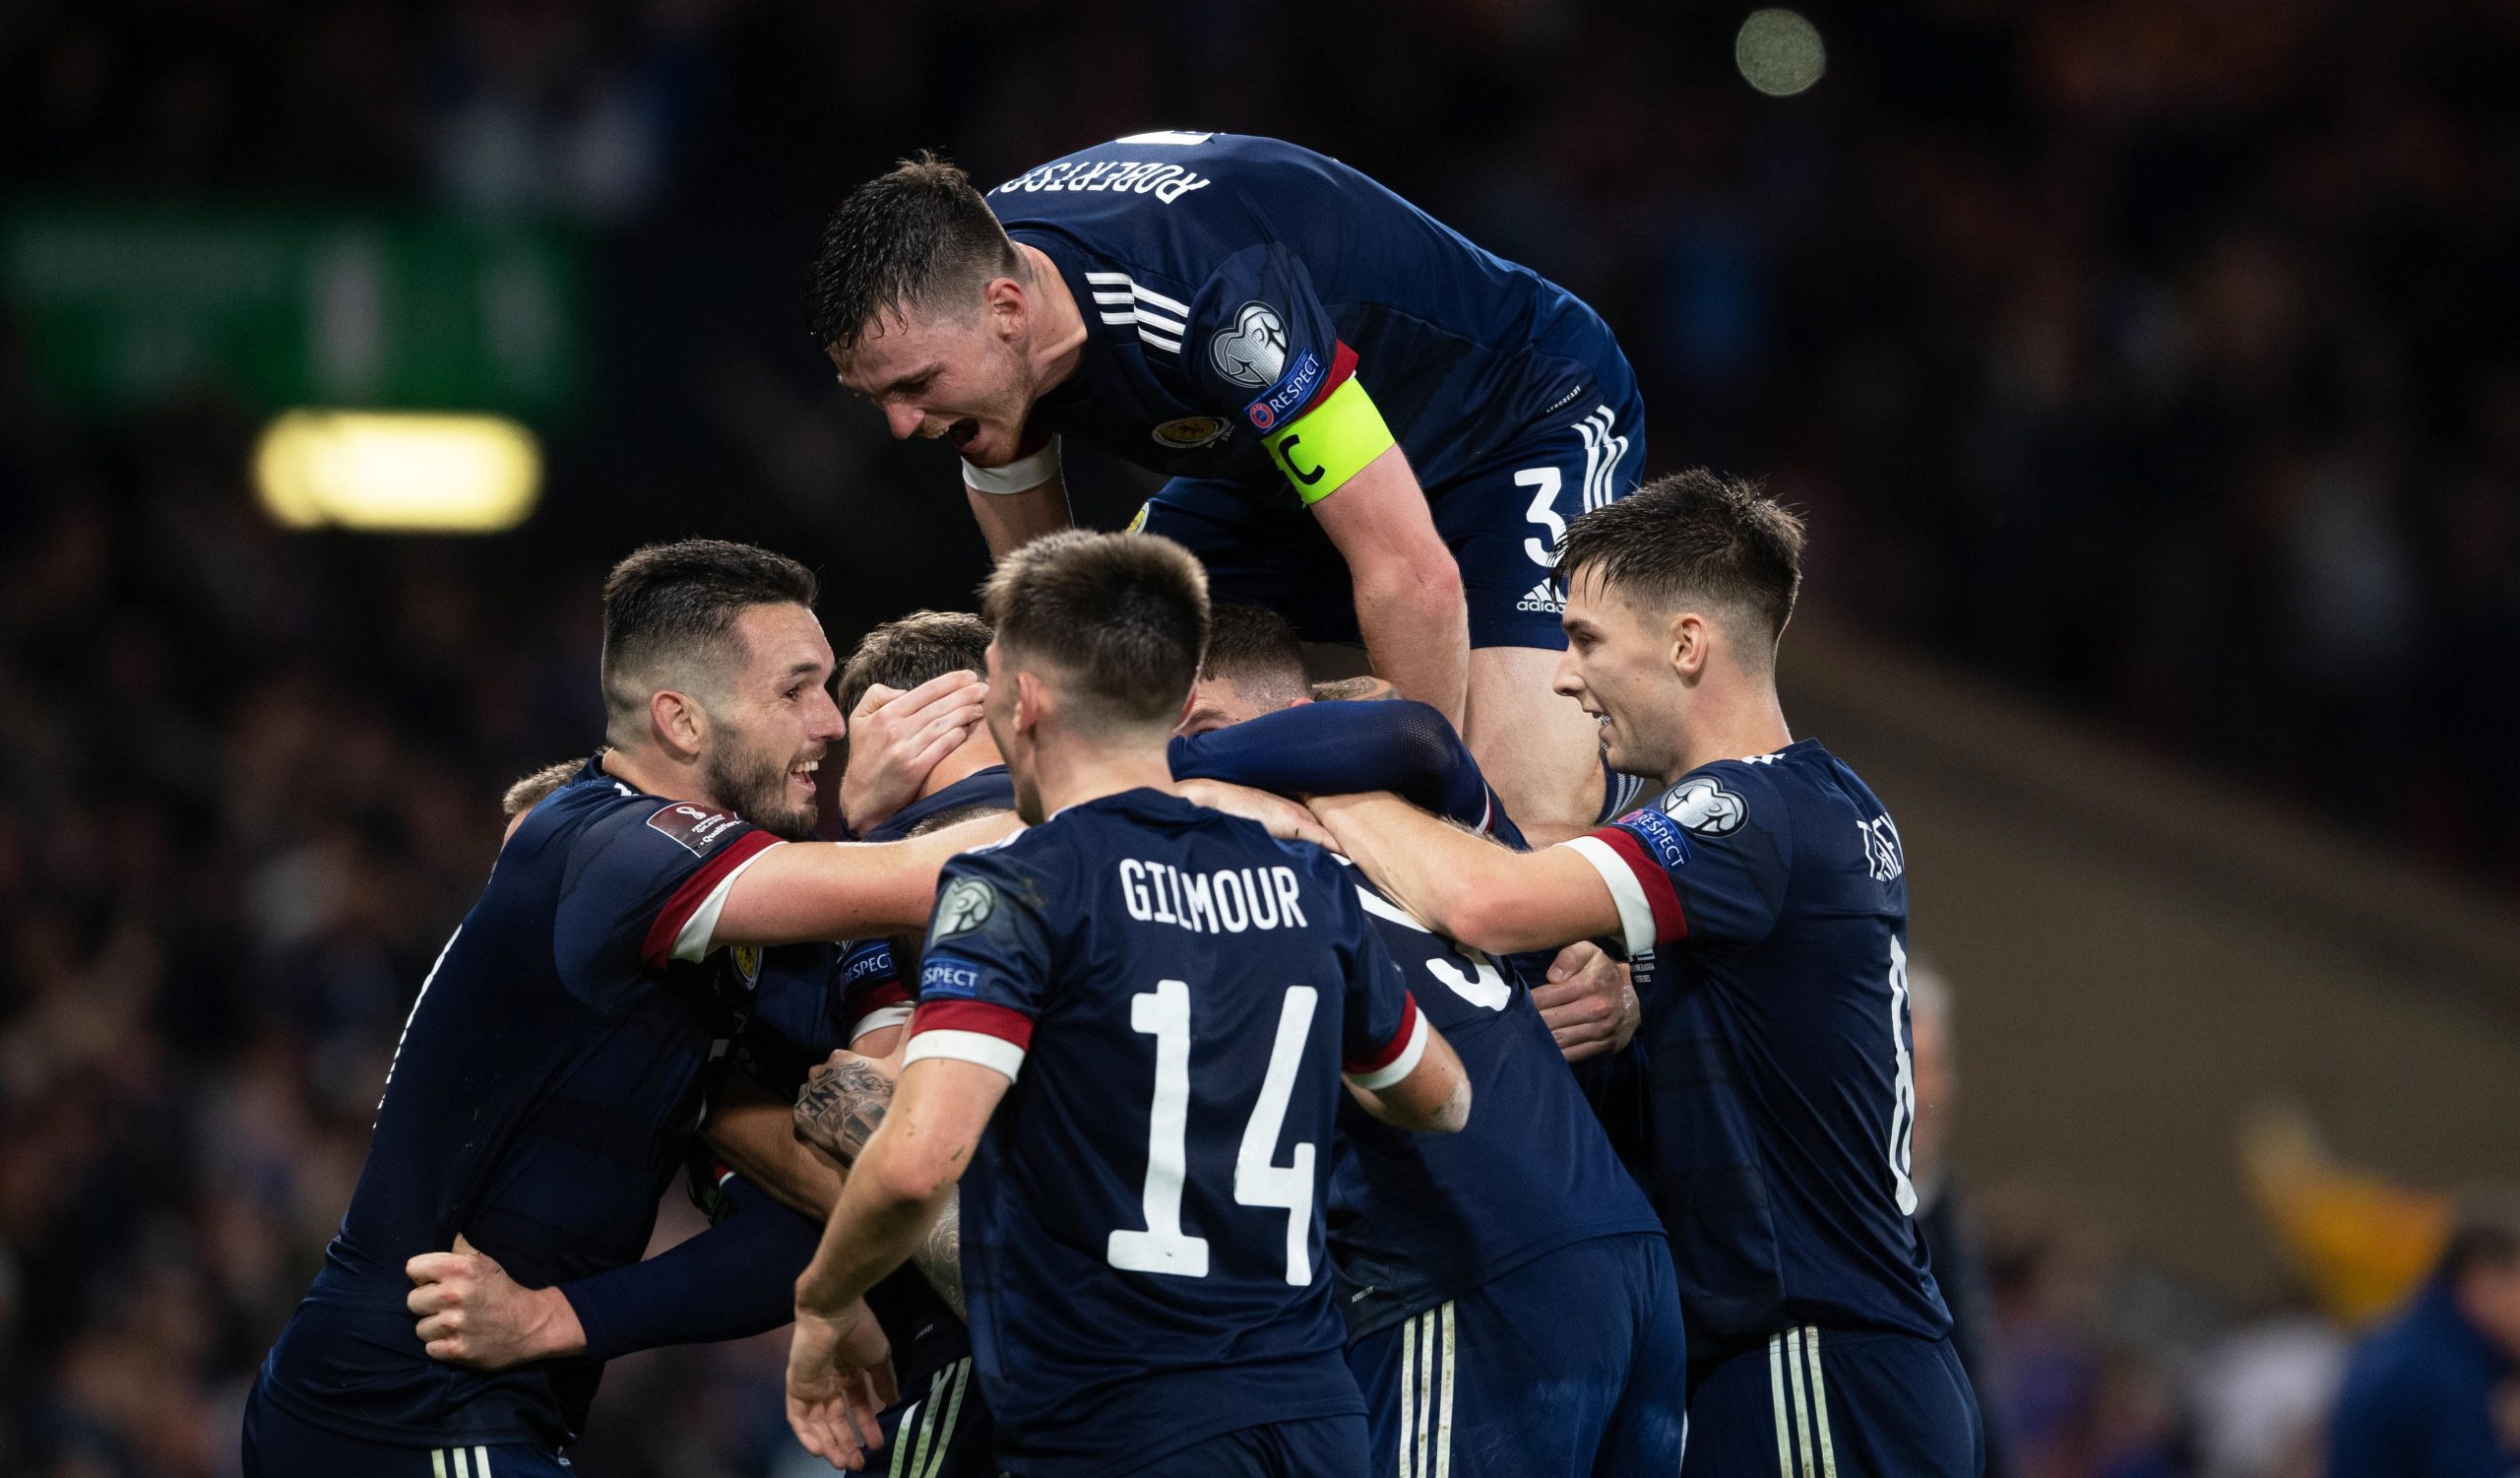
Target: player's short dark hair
(1121, 617)
(1256, 649)
(2485, 1232)
(1694, 537)
(669, 614)
(904, 653)
(911, 238)
(533, 788)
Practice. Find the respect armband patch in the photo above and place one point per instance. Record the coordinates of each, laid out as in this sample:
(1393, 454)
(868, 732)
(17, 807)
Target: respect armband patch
(1330, 443)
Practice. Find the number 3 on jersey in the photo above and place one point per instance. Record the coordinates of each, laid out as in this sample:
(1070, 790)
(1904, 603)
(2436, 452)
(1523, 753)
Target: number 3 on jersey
(1163, 1014)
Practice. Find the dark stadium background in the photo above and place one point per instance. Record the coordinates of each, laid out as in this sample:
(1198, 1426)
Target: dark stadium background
(2148, 372)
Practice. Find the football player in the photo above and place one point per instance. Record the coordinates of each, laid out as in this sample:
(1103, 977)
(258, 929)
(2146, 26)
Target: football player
(1133, 1024)
(1766, 900)
(1370, 424)
(561, 1049)
(1508, 1292)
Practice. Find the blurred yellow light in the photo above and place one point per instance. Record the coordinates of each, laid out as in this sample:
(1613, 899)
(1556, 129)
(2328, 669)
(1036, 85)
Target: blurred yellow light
(1779, 53)
(412, 473)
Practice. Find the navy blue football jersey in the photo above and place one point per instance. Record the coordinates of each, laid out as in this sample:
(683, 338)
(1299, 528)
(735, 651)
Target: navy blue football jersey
(547, 1084)
(1766, 900)
(1175, 995)
(1416, 1219)
(873, 995)
(1230, 283)
(927, 1335)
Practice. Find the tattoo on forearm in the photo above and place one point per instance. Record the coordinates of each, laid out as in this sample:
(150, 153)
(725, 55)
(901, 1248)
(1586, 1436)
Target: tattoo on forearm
(940, 1255)
(841, 1107)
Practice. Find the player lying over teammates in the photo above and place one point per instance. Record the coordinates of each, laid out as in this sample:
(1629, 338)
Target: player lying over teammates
(1764, 901)
(1217, 308)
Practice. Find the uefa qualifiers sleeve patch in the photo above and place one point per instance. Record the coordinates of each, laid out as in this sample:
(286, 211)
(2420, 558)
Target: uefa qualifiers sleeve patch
(1705, 807)
(966, 904)
(1326, 446)
(1251, 352)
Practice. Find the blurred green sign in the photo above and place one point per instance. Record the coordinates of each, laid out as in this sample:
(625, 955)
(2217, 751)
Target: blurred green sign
(122, 304)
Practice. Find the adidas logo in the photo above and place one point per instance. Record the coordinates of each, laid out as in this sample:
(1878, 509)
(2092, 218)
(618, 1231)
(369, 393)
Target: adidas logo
(1541, 598)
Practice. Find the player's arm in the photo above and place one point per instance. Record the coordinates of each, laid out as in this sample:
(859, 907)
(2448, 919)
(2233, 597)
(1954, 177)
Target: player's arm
(734, 1279)
(1433, 1097)
(1336, 749)
(1466, 887)
(838, 1371)
(754, 1133)
(1021, 501)
(1405, 582)
(844, 1103)
(835, 890)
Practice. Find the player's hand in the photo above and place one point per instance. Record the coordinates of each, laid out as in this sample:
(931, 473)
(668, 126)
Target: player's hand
(1288, 820)
(472, 1314)
(843, 1102)
(896, 737)
(840, 1375)
(1589, 1003)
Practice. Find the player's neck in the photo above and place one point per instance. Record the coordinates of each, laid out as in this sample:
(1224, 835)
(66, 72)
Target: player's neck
(659, 776)
(977, 753)
(1735, 723)
(1074, 771)
(1058, 345)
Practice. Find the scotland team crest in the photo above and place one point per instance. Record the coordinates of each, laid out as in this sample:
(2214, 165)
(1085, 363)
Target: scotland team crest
(1192, 432)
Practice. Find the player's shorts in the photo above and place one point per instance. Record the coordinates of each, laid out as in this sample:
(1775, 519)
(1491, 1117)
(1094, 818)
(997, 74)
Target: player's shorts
(941, 1429)
(1848, 1404)
(1326, 1447)
(280, 1446)
(1573, 1363)
(1501, 521)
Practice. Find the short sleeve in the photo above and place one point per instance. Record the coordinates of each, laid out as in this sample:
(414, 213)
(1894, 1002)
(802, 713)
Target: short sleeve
(643, 889)
(986, 967)
(1382, 1035)
(1261, 348)
(872, 993)
(1706, 863)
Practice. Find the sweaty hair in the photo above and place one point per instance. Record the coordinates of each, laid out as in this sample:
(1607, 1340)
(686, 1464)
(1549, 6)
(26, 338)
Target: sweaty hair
(916, 237)
(528, 792)
(669, 614)
(905, 653)
(1695, 536)
(1256, 650)
(1119, 619)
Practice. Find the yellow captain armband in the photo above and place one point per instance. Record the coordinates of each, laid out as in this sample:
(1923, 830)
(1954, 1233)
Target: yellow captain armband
(1321, 449)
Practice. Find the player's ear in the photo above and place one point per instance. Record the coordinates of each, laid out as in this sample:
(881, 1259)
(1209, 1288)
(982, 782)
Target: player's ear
(1005, 306)
(681, 723)
(1689, 636)
(1032, 700)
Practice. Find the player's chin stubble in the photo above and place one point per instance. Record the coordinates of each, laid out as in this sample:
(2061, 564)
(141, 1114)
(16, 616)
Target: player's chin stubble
(756, 786)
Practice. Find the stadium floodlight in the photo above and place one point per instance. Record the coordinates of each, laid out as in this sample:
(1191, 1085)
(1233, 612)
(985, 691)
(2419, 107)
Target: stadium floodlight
(1779, 53)
(404, 473)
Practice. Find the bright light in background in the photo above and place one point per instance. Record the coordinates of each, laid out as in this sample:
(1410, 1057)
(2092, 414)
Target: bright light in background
(409, 474)
(1779, 53)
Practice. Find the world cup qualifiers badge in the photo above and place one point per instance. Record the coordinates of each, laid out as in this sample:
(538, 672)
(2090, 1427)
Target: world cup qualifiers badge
(965, 905)
(1253, 351)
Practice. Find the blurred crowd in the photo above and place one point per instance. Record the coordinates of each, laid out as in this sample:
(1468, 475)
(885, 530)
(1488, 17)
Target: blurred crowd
(2160, 357)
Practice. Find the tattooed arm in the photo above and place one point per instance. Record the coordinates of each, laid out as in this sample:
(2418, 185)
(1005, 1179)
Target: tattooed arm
(843, 1101)
(837, 1112)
